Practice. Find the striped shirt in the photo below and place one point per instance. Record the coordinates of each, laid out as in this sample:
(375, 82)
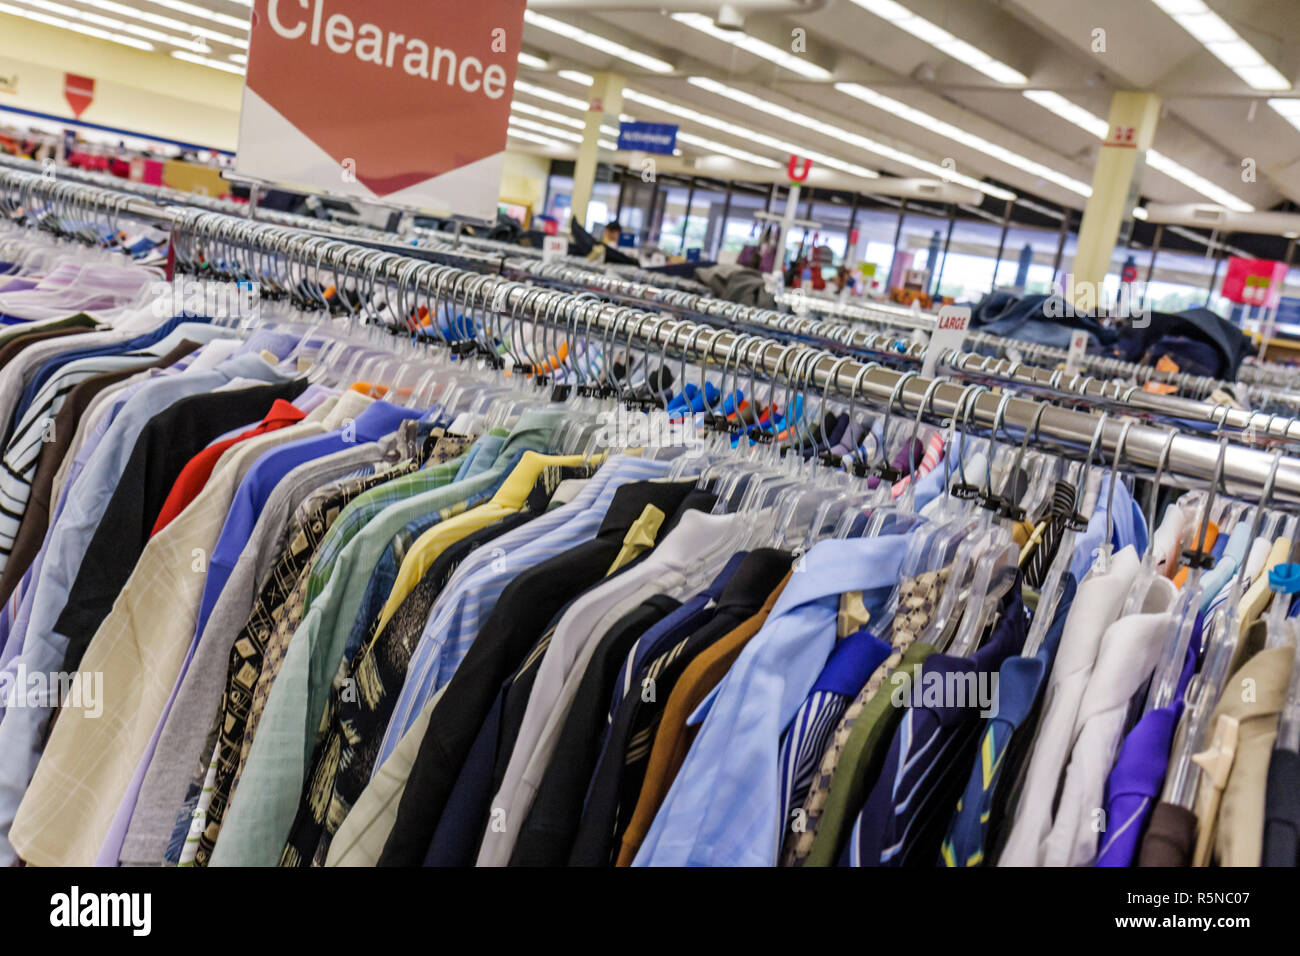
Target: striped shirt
(846, 672)
(18, 466)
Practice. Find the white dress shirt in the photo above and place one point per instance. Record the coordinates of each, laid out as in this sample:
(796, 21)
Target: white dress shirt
(1097, 604)
(1129, 653)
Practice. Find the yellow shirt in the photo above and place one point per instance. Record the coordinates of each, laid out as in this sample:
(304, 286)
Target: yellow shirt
(510, 497)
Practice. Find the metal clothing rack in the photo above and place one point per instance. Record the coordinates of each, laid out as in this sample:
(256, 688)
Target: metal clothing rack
(1182, 460)
(1036, 353)
(634, 287)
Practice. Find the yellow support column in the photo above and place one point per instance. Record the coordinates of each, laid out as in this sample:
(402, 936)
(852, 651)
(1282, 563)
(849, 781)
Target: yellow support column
(606, 98)
(1115, 188)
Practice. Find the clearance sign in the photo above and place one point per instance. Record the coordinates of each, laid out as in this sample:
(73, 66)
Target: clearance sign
(404, 102)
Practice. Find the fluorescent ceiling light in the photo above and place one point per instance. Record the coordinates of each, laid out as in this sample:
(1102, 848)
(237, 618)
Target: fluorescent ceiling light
(1194, 181)
(239, 23)
(774, 54)
(1139, 212)
(680, 112)
(1156, 160)
(109, 23)
(942, 40)
(936, 125)
(75, 27)
(534, 138)
(542, 93)
(714, 146)
(596, 42)
(122, 10)
(1069, 112)
(1289, 110)
(573, 76)
(532, 62)
(845, 136)
(238, 58)
(552, 131)
(221, 65)
(610, 131)
(549, 115)
(1225, 43)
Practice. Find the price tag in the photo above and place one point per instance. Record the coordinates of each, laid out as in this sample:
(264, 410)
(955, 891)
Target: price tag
(949, 333)
(1078, 349)
(553, 247)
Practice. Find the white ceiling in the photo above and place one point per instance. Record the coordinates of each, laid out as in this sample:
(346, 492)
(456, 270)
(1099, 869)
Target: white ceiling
(1211, 119)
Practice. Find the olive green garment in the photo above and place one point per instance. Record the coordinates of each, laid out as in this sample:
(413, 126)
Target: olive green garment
(860, 763)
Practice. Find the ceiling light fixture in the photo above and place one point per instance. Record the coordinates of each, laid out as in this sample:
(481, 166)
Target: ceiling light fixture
(239, 23)
(109, 23)
(942, 40)
(549, 115)
(551, 131)
(714, 146)
(1225, 43)
(75, 27)
(596, 42)
(845, 136)
(680, 112)
(773, 54)
(532, 62)
(573, 76)
(132, 13)
(542, 93)
(221, 65)
(1073, 113)
(1288, 109)
(534, 138)
(936, 125)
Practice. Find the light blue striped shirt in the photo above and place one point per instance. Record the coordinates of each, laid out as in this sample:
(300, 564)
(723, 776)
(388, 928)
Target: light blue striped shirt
(471, 594)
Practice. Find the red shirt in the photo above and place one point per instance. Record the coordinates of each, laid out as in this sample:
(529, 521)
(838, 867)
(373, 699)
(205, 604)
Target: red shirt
(198, 470)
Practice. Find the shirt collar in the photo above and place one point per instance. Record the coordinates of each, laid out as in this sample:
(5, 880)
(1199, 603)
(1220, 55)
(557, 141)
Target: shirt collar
(835, 566)
(514, 490)
(283, 413)
(1266, 675)
(378, 419)
(631, 499)
(346, 409)
(756, 579)
(851, 664)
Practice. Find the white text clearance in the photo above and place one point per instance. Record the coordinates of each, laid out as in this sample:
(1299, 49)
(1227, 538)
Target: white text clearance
(306, 19)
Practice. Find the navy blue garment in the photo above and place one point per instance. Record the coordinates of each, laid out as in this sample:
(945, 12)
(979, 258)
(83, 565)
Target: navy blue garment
(907, 814)
(1206, 342)
(1043, 319)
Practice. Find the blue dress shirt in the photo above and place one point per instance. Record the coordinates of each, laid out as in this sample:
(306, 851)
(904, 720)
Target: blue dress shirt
(378, 420)
(723, 808)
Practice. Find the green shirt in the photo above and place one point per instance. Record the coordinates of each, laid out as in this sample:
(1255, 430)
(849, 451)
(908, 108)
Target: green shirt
(262, 808)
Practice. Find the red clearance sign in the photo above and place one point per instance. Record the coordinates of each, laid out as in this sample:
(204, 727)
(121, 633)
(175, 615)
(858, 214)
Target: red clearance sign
(397, 101)
(79, 91)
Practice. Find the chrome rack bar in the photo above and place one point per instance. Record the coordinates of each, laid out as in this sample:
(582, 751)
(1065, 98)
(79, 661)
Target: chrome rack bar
(1191, 460)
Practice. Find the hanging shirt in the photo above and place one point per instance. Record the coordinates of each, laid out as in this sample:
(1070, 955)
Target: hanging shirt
(1097, 604)
(1128, 655)
(470, 597)
(196, 472)
(44, 645)
(1133, 786)
(696, 548)
(1020, 684)
(262, 811)
(723, 808)
(138, 650)
(907, 814)
(519, 616)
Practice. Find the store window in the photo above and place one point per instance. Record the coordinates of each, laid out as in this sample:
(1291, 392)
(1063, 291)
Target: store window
(966, 272)
(1033, 268)
(920, 246)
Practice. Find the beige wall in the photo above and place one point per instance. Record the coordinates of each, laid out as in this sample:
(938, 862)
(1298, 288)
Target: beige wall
(525, 179)
(136, 91)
